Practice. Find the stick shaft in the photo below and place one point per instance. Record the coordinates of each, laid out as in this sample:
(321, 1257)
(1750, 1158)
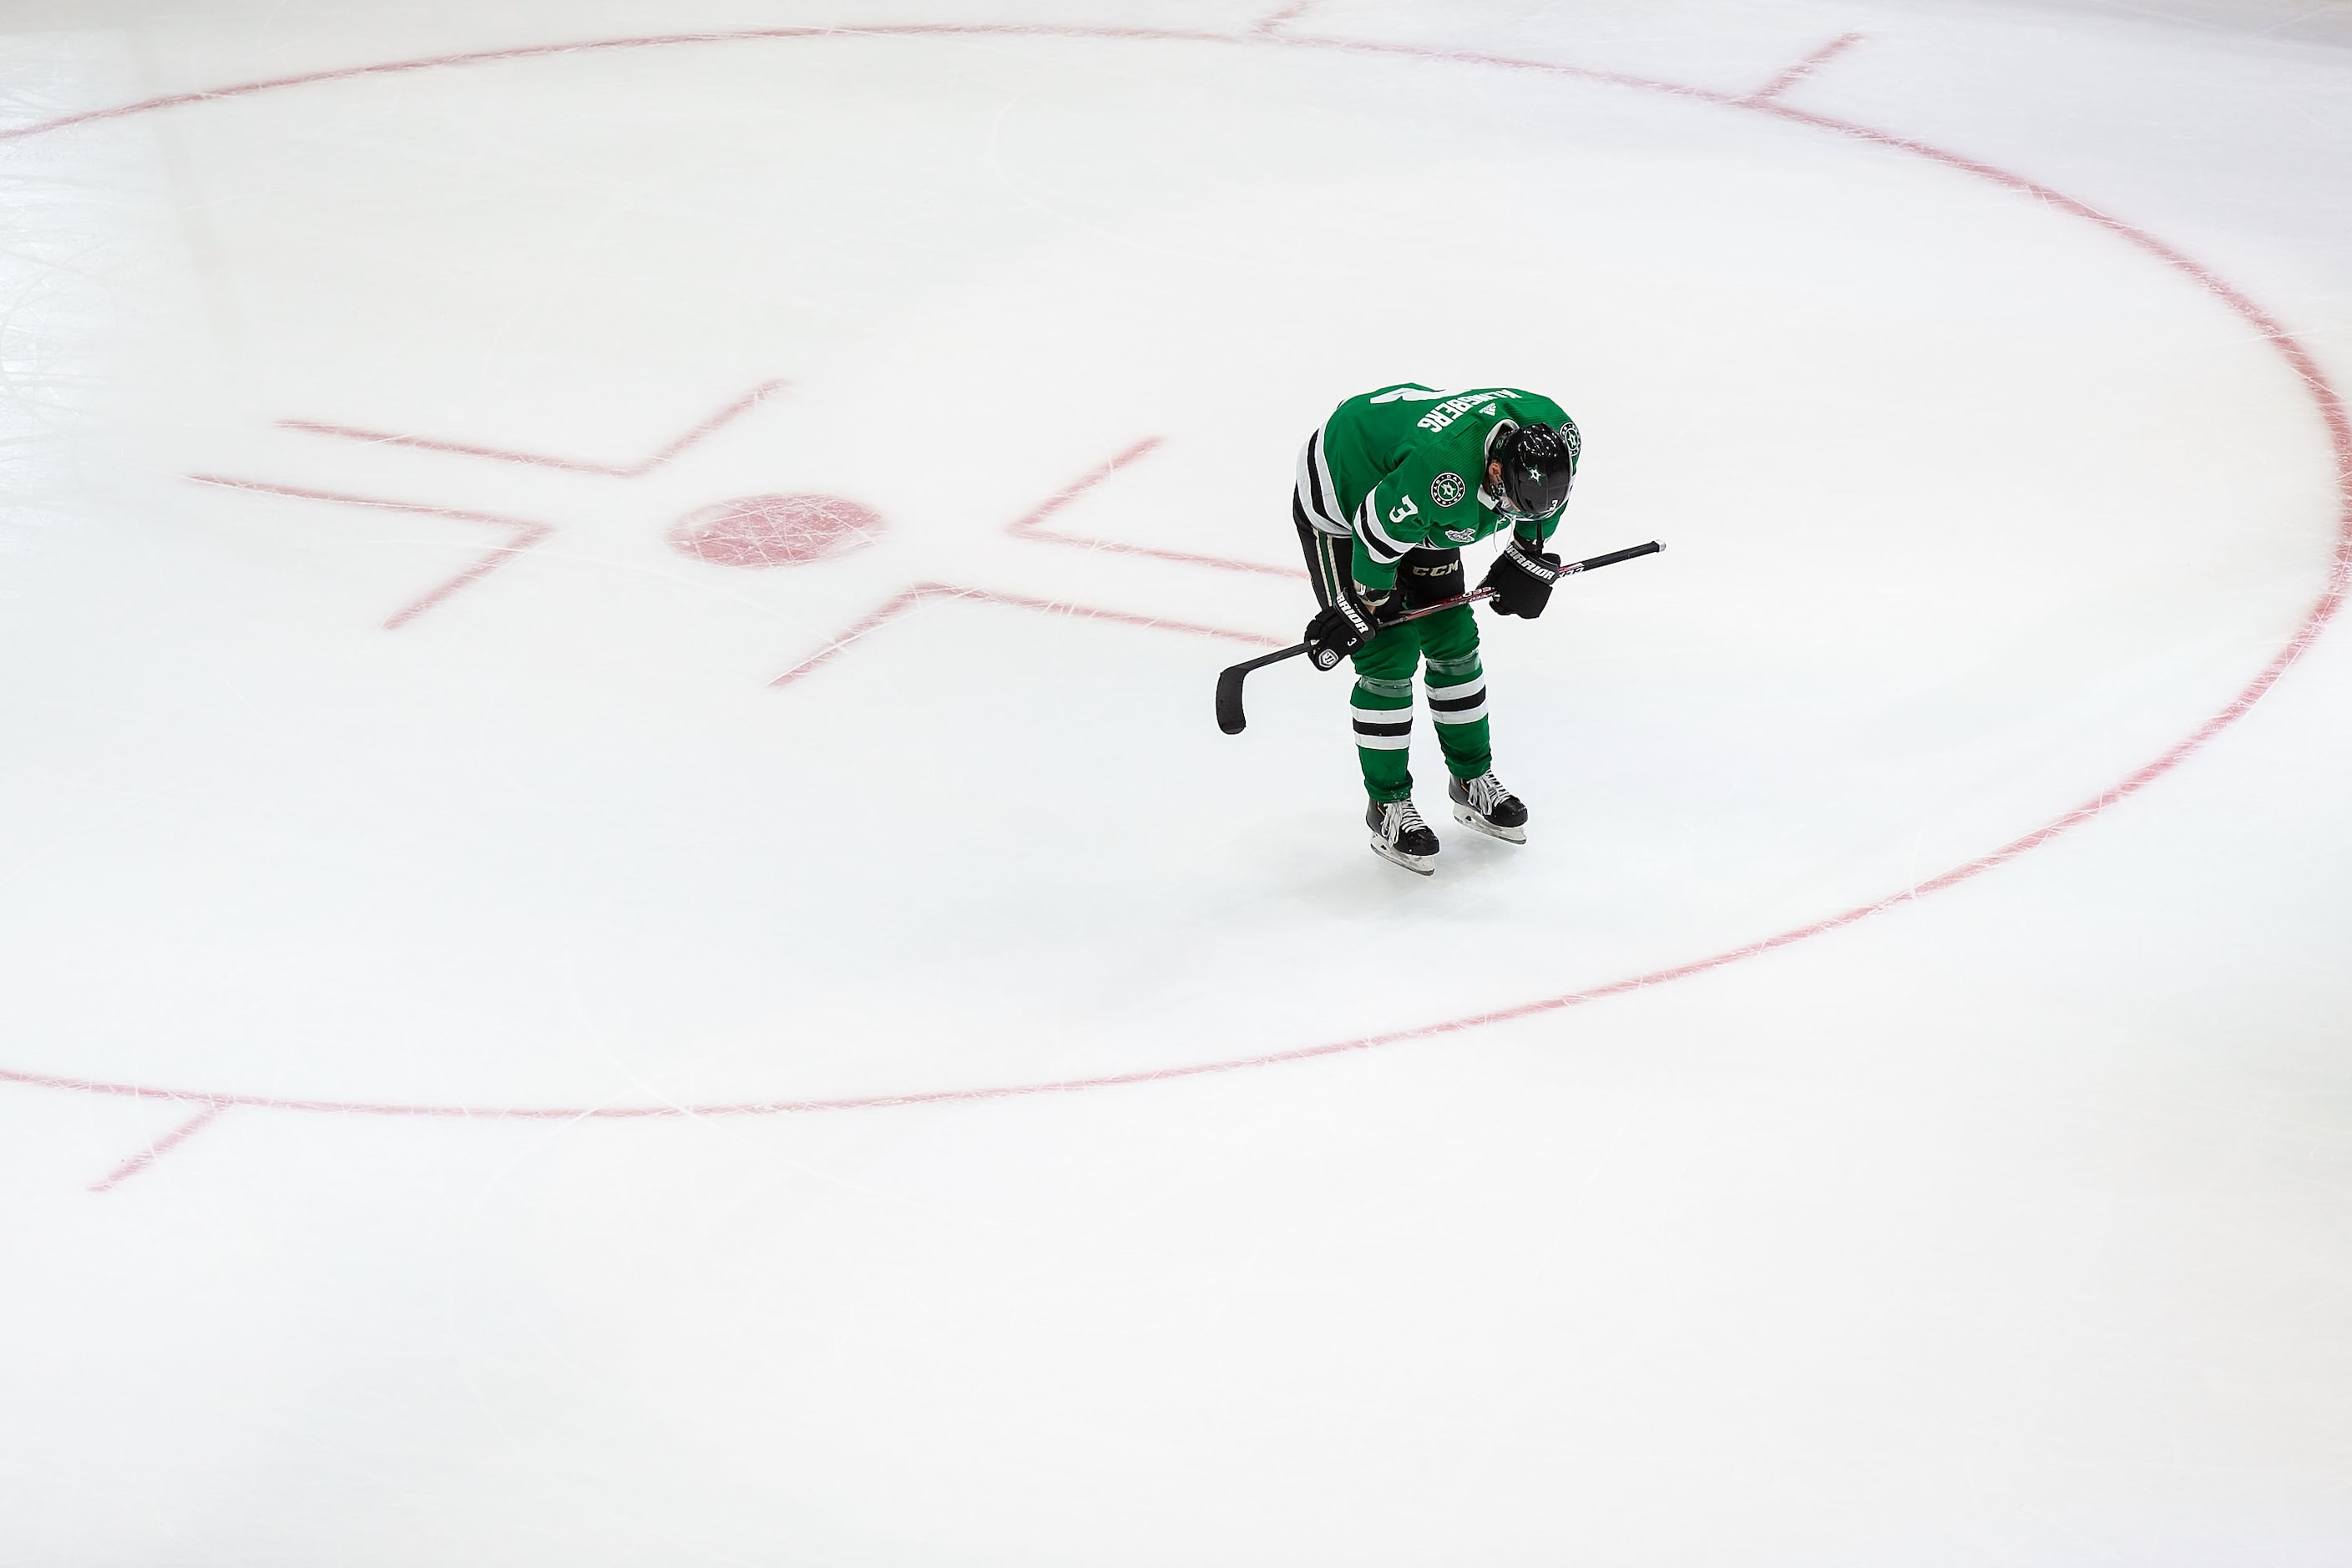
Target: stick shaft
(1476, 595)
(1611, 559)
(1232, 721)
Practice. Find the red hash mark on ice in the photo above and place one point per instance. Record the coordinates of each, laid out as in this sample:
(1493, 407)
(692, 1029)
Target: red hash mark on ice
(1804, 68)
(160, 1147)
(907, 599)
(522, 534)
(1031, 525)
(638, 469)
(1290, 12)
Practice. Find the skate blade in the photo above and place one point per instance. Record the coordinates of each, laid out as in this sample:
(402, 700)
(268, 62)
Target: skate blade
(1421, 865)
(1471, 819)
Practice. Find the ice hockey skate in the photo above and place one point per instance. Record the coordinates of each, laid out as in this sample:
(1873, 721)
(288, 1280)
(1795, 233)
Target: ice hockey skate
(1485, 804)
(1399, 835)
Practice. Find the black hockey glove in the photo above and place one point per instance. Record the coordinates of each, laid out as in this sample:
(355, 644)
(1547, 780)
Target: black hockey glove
(1342, 627)
(1522, 579)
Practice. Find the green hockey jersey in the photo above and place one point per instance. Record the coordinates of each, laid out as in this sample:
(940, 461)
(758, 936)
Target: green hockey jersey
(1405, 467)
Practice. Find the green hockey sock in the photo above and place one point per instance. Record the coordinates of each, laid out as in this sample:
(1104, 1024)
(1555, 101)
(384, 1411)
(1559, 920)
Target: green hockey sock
(1458, 706)
(1383, 711)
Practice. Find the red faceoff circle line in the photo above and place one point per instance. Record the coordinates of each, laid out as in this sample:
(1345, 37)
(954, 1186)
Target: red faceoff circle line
(2324, 396)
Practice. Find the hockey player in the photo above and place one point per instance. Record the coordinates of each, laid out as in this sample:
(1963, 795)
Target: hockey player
(1389, 490)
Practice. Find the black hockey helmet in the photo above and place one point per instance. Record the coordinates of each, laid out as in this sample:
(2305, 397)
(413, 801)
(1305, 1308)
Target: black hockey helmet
(1538, 467)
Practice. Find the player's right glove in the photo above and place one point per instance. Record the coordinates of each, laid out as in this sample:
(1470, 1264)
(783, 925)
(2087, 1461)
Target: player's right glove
(1522, 579)
(1340, 627)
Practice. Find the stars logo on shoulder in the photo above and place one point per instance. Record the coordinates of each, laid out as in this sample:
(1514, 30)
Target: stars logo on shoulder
(1447, 490)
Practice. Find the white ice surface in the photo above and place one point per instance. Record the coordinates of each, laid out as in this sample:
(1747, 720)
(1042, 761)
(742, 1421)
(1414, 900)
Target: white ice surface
(2008, 1225)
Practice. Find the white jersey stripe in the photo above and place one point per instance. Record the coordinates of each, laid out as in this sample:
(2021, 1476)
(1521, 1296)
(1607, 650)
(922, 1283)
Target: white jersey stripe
(1314, 496)
(1322, 476)
(1382, 544)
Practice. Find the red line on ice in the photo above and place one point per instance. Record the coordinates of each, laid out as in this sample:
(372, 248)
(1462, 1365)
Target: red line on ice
(1030, 524)
(895, 30)
(2298, 358)
(638, 469)
(1803, 69)
(162, 1146)
(907, 599)
(525, 534)
(1290, 12)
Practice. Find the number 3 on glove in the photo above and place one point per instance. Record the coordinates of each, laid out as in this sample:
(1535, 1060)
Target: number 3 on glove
(1338, 629)
(1522, 579)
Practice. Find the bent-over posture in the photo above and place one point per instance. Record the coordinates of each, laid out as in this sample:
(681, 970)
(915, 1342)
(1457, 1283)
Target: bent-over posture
(1390, 488)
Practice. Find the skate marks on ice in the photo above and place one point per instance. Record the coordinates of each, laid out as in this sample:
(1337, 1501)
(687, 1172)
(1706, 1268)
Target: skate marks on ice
(917, 589)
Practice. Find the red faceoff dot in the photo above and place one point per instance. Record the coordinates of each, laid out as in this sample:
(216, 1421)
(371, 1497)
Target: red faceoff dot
(774, 530)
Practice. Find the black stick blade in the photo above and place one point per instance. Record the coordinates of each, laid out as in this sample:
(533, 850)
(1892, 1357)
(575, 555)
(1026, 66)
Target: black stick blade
(1230, 717)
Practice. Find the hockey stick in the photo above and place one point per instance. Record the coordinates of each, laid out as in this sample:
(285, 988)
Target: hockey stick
(1233, 720)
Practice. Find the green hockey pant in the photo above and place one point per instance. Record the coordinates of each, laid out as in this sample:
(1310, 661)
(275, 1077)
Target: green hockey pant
(1444, 647)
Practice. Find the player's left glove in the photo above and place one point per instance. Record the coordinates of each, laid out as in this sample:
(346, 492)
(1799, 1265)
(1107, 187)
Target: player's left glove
(1522, 578)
